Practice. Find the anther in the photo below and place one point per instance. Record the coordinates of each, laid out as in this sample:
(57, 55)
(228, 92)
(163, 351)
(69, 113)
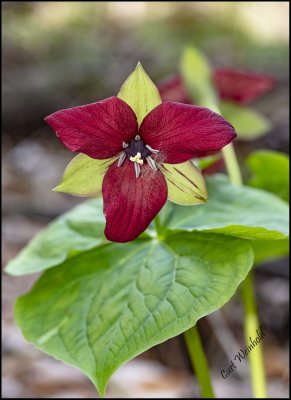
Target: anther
(124, 145)
(151, 163)
(121, 159)
(151, 149)
(137, 169)
(137, 137)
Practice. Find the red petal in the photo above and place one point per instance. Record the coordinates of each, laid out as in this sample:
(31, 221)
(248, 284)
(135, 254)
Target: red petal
(173, 89)
(241, 86)
(182, 131)
(96, 129)
(131, 203)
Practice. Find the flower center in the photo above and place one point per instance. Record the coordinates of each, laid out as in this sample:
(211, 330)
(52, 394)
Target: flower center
(137, 152)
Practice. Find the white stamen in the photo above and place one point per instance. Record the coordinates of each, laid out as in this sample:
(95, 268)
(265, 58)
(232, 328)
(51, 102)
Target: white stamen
(137, 158)
(124, 145)
(121, 159)
(151, 163)
(137, 137)
(137, 169)
(151, 149)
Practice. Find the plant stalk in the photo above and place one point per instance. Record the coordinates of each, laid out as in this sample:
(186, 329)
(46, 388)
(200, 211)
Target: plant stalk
(230, 159)
(231, 164)
(251, 327)
(199, 362)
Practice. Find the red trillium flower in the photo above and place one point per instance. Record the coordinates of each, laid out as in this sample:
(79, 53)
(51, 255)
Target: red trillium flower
(134, 187)
(233, 85)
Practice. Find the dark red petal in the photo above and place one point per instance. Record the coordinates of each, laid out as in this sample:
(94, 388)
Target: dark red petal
(96, 129)
(241, 86)
(182, 131)
(173, 89)
(131, 203)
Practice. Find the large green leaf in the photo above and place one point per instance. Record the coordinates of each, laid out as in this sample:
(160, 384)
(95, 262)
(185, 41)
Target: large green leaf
(270, 171)
(140, 93)
(232, 210)
(77, 230)
(248, 123)
(104, 307)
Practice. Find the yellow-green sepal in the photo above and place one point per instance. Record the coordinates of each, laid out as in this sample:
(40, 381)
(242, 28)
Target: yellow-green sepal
(140, 93)
(186, 185)
(84, 176)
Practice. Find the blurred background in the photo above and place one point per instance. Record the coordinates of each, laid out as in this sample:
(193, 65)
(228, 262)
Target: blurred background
(63, 54)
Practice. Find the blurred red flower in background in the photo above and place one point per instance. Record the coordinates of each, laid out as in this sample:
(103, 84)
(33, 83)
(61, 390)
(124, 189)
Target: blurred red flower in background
(232, 85)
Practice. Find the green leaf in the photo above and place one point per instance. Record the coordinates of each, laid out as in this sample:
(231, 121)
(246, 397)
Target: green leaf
(77, 230)
(140, 93)
(84, 176)
(185, 182)
(248, 123)
(231, 210)
(106, 306)
(197, 76)
(270, 250)
(270, 171)
(238, 211)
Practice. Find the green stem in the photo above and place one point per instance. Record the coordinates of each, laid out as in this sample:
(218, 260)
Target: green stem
(231, 164)
(199, 362)
(250, 329)
(230, 159)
